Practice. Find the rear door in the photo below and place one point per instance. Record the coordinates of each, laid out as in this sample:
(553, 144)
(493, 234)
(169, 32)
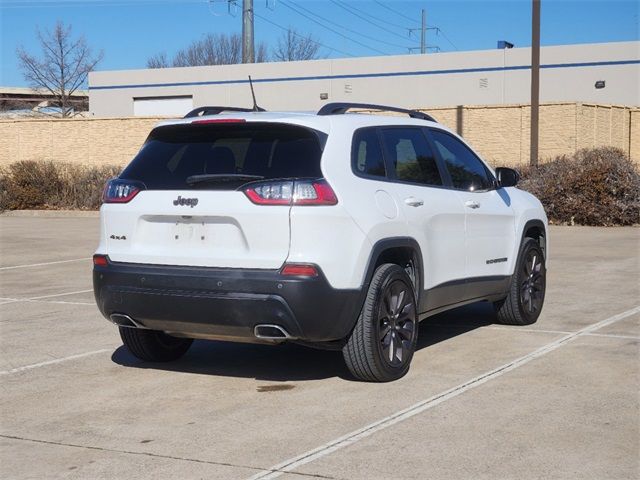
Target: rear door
(191, 211)
(435, 216)
(490, 227)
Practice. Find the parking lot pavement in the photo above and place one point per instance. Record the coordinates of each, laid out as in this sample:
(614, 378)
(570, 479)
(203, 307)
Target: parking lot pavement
(558, 399)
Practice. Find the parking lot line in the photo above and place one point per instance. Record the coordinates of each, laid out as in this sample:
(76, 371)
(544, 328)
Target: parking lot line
(613, 335)
(5, 300)
(41, 297)
(60, 294)
(53, 362)
(29, 265)
(532, 330)
(357, 435)
(516, 329)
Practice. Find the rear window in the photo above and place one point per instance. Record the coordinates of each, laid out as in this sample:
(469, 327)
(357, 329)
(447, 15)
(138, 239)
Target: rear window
(174, 153)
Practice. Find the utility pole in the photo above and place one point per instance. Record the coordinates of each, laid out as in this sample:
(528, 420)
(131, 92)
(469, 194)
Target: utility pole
(248, 49)
(423, 33)
(535, 80)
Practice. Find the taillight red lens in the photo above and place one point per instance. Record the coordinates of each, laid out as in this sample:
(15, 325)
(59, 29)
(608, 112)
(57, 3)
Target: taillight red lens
(298, 192)
(121, 191)
(299, 270)
(314, 193)
(100, 260)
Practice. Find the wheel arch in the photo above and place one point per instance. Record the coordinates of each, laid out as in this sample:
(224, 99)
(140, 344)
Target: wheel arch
(398, 250)
(536, 229)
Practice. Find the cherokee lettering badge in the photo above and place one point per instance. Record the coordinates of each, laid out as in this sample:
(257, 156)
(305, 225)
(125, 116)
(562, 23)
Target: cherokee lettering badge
(192, 202)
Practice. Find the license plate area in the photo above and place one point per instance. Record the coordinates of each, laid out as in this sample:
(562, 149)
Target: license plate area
(192, 232)
(187, 230)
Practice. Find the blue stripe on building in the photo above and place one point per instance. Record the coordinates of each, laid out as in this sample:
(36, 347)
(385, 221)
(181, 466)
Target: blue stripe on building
(369, 75)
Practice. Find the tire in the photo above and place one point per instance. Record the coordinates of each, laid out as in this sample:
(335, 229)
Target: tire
(523, 304)
(383, 341)
(154, 346)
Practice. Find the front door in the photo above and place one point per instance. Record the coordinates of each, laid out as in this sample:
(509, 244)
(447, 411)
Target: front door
(489, 219)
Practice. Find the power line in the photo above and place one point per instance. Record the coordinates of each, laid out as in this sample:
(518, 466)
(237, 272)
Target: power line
(90, 3)
(394, 11)
(383, 20)
(349, 9)
(438, 29)
(301, 36)
(350, 30)
(440, 32)
(294, 9)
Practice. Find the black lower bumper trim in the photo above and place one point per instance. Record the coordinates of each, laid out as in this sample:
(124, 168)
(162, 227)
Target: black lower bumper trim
(225, 303)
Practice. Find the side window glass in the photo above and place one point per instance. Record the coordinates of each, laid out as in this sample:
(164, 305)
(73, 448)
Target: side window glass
(466, 170)
(367, 155)
(411, 156)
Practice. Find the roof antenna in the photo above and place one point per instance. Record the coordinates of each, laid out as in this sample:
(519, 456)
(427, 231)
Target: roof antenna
(256, 108)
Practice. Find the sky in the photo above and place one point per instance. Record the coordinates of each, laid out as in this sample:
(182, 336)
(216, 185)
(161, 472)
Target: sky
(130, 31)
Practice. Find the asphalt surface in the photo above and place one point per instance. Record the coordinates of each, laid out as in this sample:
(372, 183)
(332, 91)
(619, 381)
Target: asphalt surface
(558, 399)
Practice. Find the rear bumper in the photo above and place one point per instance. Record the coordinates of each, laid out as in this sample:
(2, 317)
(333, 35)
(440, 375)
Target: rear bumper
(225, 303)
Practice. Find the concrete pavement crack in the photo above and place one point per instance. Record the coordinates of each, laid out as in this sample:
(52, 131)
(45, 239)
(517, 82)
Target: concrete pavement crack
(154, 455)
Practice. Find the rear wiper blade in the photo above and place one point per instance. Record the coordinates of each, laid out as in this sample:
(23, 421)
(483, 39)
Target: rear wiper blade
(221, 178)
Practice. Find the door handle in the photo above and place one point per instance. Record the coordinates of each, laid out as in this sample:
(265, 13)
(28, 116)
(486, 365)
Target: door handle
(471, 204)
(414, 202)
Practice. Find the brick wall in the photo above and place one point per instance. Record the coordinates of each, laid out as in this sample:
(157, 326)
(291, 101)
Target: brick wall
(499, 133)
(634, 135)
(83, 140)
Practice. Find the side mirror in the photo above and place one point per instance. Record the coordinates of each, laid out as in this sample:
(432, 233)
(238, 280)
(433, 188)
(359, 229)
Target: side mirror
(507, 177)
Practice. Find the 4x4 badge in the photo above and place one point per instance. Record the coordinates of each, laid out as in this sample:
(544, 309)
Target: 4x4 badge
(192, 202)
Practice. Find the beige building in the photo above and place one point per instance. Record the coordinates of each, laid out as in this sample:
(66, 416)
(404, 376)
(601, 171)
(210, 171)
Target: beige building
(483, 95)
(606, 73)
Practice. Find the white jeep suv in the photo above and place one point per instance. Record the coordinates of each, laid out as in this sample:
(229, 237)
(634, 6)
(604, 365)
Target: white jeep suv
(334, 230)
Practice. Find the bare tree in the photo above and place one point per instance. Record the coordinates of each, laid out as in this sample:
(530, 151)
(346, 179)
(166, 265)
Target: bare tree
(63, 67)
(212, 49)
(159, 60)
(262, 53)
(294, 46)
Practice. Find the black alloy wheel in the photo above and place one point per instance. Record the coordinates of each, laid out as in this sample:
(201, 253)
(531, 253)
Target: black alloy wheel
(384, 338)
(525, 298)
(396, 323)
(533, 283)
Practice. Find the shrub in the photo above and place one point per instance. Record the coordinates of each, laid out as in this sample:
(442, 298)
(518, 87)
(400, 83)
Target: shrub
(599, 186)
(51, 185)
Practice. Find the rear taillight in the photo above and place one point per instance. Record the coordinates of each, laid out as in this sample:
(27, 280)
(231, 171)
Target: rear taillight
(291, 192)
(121, 191)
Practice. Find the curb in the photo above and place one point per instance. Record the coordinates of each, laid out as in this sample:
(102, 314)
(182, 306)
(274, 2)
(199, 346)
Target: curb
(51, 213)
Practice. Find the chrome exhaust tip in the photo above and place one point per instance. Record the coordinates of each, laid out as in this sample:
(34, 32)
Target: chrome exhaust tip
(123, 320)
(271, 332)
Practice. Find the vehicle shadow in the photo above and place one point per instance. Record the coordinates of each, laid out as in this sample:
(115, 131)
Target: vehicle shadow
(290, 362)
(459, 321)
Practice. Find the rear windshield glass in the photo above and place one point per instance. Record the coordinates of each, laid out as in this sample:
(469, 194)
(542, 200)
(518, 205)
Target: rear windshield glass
(174, 153)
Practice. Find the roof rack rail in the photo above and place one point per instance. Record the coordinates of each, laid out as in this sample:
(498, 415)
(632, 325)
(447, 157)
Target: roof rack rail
(200, 111)
(339, 108)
